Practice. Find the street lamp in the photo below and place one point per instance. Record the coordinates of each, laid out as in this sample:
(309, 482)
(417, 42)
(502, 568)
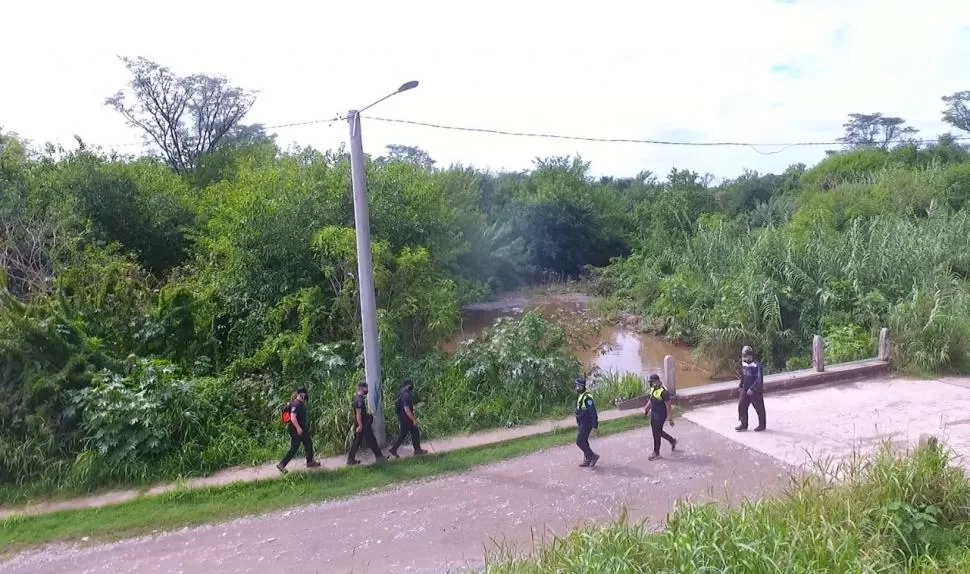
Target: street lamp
(365, 269)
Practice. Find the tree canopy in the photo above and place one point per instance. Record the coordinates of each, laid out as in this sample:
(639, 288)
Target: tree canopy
(186, 117)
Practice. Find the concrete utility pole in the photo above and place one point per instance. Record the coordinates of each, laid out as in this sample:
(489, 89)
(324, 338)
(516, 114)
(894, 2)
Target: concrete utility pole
(365, 270)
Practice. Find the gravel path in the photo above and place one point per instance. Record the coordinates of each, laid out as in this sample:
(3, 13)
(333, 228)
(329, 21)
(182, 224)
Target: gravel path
(268, 470)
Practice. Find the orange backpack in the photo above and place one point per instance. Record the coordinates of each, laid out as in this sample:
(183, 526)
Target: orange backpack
(285, 414)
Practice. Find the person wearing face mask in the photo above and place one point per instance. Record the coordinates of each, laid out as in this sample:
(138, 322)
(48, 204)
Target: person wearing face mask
(752, 390)
(404, 408)
(659, 409)
(587, 420)
(295, 419)
(363, 429)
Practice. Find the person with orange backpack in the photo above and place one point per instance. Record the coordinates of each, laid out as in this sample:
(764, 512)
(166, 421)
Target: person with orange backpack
(295, 419)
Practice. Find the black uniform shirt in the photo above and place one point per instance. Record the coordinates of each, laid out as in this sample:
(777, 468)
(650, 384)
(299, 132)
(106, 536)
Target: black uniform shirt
(298, 411)
(404, 400)
(360, 404)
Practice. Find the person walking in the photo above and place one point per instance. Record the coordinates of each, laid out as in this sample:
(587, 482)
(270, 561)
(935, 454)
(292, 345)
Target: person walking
(752, 387)
(404, 408)
(660, 411)
(363, 428)
(295, 418)
(587, 420)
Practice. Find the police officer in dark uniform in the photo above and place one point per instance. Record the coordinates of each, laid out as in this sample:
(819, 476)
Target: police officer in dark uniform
(299, 429)
(404, 408)
(586, 421)
(752, 390)
(659, 409)
(363, 429)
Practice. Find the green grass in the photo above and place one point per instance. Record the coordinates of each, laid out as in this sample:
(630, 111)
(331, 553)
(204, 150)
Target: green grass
(193, 507)
(611, 386)
(890, 514)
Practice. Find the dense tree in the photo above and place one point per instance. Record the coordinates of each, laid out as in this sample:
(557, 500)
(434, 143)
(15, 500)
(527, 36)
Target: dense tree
(184, 116)
(957, 111)
(407, 154)
(876, 130)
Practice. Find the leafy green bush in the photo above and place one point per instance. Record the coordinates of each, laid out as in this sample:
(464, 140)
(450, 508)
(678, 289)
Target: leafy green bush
(849, 343)
(528, 360)
(957, 185)
(849, 167)
(121, 418)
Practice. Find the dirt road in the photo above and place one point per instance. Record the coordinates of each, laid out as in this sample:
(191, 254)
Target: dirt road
(269, 471)
(444, 524)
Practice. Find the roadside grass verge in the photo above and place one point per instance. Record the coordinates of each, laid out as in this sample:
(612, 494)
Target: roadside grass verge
(887, 513)
(207, 505)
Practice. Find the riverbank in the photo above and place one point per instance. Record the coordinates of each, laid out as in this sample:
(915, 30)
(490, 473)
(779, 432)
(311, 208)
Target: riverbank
(612, 343)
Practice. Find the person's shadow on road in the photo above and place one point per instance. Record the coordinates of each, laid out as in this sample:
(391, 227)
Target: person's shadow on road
(674, 459)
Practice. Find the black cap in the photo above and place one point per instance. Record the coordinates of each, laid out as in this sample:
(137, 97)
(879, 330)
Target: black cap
(302, 391)
(362, 385)
(407, 383)
(654, 377)
(580, 382)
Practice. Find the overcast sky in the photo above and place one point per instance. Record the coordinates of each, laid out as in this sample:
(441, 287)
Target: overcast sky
(713, 70)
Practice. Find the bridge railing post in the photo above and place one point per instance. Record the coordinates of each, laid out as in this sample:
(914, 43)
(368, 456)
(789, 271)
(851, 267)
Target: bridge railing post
(885, 345)
(818, 353)
(670, 375)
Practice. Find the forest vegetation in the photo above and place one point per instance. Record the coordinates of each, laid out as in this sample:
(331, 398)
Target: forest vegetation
(157, 309)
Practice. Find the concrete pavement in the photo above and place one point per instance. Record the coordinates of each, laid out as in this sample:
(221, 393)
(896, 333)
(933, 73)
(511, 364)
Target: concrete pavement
(831, 423)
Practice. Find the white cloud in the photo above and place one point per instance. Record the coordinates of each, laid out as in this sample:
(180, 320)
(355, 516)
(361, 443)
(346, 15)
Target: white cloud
(621, 69)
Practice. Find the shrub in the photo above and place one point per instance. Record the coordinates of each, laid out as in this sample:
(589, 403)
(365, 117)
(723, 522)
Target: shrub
(848, 343)
(931, 328)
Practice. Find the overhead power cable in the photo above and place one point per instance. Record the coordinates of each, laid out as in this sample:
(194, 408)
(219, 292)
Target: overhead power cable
(273, 127)
(753, 145)
(784, 146)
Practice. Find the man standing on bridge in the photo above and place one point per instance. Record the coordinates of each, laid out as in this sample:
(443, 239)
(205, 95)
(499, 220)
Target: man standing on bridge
(586, 421)
(752, 390)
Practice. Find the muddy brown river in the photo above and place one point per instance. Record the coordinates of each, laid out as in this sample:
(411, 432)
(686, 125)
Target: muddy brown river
(611, 349)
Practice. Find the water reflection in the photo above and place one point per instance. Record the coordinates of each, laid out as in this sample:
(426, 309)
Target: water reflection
(612, 349)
